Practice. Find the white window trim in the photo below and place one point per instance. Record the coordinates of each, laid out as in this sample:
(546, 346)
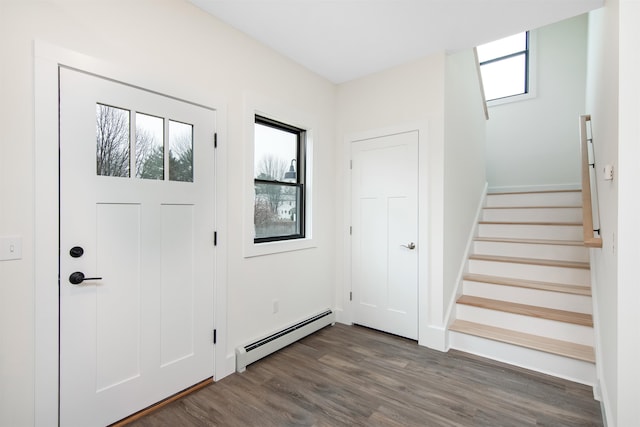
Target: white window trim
(258, 105)
(533, 66)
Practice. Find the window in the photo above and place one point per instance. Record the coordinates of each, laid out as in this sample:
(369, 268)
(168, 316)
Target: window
(115, 147)
(279, 181)
(505, 66)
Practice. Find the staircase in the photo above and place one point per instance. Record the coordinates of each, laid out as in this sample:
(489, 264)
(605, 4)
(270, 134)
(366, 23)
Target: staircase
(526, 298)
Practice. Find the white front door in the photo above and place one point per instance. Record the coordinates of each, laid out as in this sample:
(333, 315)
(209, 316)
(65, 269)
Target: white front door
(385, 231)
(136, 219)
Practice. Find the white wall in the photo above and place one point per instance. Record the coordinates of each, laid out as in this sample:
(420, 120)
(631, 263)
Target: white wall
(613, 95)
(408, 96)
(184, 51)
(521, 134)
(602, 104)
(628, 207)
(464, 160)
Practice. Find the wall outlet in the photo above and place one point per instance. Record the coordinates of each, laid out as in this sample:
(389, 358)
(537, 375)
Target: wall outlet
(10, 248)
(276, 306)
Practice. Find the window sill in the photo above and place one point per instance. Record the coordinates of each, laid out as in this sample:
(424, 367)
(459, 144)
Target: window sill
(268, 248)
(510, 99)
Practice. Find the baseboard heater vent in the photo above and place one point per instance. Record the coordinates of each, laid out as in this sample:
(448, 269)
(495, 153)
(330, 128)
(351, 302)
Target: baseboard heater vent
(246, 355)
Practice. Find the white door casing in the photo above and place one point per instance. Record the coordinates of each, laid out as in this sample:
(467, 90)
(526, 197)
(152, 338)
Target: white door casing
(144, 330)
(385, 243)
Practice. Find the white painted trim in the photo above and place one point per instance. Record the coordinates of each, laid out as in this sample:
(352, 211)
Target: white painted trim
(272, 109)
(346, 315)
(532, 188)
(600, 390)
(47, 59)
(450, 313)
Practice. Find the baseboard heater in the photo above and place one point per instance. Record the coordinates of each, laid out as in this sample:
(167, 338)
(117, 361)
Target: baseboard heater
(246, 355)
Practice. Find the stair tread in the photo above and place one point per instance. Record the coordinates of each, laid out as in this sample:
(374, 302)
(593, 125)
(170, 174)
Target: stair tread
(549, 345)
(582, 319)
(531, 261)
(535, 207)
(531, 241)
(545, 223)
(531, 284)
(500, 193)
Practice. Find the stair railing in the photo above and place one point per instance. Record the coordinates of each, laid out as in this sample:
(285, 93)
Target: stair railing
(591, 219)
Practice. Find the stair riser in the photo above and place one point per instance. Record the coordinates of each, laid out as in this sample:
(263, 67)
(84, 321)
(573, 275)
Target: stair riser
(570, 276)
(526, 231)
(533, 215)
(559, 366)
(539, 298)
(530, 250)
(570, 198)
(531, 325)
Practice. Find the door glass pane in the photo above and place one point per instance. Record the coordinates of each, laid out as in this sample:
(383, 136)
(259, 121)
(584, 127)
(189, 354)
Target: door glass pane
(112, 141)
(276, 210)
(149, 146)
(180, 151)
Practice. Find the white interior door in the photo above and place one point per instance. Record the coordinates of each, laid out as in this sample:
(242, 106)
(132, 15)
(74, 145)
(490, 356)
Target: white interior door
(385, 231)
(136, 218)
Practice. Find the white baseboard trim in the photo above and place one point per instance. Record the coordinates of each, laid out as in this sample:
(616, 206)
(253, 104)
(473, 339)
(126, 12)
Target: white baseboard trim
(435, 337)
(342, 316)
(525, 188)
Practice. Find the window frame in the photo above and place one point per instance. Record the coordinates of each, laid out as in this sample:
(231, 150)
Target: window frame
(300, 177)
(530, 71)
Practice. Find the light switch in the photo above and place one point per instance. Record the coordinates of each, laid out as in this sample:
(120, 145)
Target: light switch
(10, 248)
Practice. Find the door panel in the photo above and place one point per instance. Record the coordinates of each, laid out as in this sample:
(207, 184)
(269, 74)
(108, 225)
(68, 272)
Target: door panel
(385, 223)
(137, 194)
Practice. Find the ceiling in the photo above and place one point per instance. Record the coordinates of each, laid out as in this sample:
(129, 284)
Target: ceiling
(342, 40)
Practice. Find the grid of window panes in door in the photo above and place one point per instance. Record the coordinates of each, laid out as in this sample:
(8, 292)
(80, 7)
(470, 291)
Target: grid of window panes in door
(504, 65)
(279, 164)
(126, 150)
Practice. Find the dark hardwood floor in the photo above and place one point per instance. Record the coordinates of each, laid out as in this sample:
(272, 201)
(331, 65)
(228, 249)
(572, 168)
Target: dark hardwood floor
(354, 376)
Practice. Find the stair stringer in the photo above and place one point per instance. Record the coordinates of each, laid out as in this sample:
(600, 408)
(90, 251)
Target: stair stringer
(450, 314)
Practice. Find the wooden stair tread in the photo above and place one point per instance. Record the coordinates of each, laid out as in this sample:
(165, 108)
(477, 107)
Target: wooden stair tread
(532, 192)
(545, 223)
(582, 319)
(530, 261)
(531, 241)
(531, 284)
(548, 345)
(535, 207)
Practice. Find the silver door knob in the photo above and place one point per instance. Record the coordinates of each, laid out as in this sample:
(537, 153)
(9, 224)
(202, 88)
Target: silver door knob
(410, 246)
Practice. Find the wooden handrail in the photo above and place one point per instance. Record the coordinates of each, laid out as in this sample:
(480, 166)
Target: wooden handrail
(589, 239)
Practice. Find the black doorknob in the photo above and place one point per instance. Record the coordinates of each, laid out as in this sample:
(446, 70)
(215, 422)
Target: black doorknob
(78, 277)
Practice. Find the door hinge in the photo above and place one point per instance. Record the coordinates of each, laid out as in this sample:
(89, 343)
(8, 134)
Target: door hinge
(350, 230)
(350, 296)
(215, 140)
(215, 238)
(350, 164)
(215, 336)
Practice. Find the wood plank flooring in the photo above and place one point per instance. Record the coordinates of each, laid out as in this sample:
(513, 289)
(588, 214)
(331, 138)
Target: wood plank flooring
(354, 376)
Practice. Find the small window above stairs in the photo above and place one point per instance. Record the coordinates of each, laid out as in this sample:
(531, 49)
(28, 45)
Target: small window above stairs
(526, 296)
